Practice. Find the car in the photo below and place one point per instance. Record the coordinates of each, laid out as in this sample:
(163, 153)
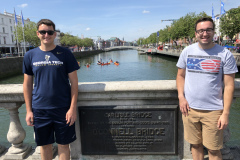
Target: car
(84, 49)
(3, 56)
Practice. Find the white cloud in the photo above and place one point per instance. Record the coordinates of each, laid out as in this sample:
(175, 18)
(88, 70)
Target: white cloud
(23, 5)
(145, 12)
(87, 29)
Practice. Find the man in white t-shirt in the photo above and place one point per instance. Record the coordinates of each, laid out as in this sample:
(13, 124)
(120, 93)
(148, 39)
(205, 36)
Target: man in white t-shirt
(205, 69)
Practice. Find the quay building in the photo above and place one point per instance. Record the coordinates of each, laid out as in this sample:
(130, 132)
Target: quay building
(8, 43)
(8, 40)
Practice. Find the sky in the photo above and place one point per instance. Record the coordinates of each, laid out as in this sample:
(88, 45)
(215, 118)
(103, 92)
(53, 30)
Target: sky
(125, 19)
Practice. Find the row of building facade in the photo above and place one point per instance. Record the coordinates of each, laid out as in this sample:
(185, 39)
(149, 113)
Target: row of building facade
(218, 37)
(8, 42)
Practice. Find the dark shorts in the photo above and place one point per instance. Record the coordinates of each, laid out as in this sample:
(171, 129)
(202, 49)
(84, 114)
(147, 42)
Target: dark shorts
(50, 126)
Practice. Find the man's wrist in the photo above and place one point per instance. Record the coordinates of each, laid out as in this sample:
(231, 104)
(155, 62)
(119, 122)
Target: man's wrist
(225, 113)
(181, 96)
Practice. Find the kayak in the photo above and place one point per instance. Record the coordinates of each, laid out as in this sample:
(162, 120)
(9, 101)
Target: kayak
(105, 64)
(116, 63)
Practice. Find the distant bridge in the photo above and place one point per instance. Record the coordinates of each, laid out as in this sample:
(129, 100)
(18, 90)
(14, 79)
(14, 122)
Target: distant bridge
(169, 52)
(120, 48)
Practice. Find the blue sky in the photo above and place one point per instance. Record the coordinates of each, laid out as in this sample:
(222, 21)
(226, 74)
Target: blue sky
(128, 19)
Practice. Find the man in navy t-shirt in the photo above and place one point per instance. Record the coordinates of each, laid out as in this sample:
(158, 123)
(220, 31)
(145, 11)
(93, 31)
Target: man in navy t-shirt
(51, 103)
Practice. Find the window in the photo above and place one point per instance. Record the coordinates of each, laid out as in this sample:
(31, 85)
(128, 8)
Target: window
(3, 30)
(10, 21)
(2, 21)
(4, 40)
(12, 38)
(11, 29)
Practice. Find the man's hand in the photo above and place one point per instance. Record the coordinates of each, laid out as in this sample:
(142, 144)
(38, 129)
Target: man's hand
(223, 122)
(184, 107)
(71, 116)
(183, 104)
(29, 118)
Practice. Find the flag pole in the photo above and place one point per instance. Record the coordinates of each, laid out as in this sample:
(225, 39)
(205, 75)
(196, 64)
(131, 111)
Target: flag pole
(220, 8)
(219, 23)
(24, 44)
(16, 31)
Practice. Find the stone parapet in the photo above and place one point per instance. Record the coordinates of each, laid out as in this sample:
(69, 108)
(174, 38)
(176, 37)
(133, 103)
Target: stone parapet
(124, 93)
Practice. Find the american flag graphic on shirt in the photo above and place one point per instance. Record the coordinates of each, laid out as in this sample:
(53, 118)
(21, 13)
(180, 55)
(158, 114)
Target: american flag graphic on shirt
(204, 64)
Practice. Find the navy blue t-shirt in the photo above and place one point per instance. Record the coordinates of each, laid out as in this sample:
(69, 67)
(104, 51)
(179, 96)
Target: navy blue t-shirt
(50, 70)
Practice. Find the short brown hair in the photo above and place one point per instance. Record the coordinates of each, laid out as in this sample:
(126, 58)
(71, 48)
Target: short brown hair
(204, 19)
(47, 22)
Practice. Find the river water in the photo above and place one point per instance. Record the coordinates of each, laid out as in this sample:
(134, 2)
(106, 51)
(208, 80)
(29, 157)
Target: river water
(133, 67)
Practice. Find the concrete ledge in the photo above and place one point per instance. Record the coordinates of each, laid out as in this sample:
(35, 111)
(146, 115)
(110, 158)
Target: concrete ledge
(163, 89)
(123, 93)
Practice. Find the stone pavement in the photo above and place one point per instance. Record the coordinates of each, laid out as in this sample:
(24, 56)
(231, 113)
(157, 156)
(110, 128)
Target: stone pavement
(234, 150)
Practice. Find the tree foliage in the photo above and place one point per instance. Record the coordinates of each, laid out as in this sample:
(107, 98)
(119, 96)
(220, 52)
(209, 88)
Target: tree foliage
(70, 40)
(88, 42)
(31, 38)
(230, 22)
(30, 34)
(181, 28)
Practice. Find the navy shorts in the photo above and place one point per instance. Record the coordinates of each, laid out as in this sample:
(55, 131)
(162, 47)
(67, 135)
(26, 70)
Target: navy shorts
(50, 127)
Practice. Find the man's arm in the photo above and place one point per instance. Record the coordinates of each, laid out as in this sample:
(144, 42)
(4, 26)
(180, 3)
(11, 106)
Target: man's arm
(27, 92)
(183, 104)
(71, 115)
(227, 100)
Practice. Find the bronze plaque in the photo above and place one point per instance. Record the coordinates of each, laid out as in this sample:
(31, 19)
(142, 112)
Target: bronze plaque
(128, 130)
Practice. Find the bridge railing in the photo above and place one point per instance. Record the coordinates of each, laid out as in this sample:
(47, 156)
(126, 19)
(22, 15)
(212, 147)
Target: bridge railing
(132, 93)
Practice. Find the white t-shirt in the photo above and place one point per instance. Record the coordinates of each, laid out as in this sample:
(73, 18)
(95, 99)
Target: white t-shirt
(203, 87)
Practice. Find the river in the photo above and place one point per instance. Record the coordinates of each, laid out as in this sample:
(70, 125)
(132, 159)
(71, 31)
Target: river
(133, 67)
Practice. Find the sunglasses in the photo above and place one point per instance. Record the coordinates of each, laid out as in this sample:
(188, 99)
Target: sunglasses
(43, 32)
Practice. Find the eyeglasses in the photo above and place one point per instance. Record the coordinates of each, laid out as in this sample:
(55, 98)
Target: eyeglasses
(43, 32)
(201, 31)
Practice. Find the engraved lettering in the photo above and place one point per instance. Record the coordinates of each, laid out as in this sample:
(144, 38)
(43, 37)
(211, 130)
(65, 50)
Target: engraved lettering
(142, 114)
(123, 131)
(150, 131)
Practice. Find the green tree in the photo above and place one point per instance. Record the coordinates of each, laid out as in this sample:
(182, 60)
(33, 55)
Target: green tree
(140, 41)
(152, 38)
(230, 23)
(66, 39)
(184, 27)
(164, 35)
(88, 42)
(30, 34)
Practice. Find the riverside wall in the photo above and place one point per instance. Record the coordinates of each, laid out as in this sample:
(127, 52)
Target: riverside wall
(10, 66)
(13, 65)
